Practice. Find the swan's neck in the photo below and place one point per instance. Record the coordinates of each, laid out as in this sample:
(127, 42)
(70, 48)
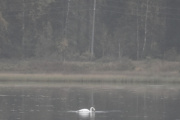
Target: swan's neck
(92, 109)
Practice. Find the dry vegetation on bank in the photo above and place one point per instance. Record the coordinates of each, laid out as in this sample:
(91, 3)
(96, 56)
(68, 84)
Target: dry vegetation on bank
(125, 69)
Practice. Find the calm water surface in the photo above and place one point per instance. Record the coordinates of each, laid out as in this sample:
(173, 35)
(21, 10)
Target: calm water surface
(112, 102)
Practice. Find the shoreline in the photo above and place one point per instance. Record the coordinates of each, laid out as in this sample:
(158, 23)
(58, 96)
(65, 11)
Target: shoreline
(125, 71)
(87, 78)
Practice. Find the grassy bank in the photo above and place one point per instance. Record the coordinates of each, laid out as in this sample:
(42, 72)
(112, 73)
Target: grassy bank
(147, 71)
(54, 66)
(86, 78)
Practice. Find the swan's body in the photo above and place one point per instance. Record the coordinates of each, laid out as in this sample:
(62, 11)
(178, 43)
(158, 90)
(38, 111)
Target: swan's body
(92, 109)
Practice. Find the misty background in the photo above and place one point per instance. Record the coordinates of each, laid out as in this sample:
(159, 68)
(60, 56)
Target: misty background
(62, 29)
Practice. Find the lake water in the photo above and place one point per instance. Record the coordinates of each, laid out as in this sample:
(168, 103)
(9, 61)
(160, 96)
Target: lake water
(112, 102)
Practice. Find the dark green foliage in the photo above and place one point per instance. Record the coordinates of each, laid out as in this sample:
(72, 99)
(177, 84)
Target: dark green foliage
(62, 29)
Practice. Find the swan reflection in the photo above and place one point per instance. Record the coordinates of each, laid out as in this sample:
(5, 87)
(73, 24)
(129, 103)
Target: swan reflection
(90, 113)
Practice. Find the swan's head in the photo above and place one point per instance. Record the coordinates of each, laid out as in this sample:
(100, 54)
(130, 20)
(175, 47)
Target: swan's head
(92, 109)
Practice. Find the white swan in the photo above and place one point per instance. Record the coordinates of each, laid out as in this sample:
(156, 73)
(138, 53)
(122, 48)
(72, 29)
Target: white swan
(92, 109)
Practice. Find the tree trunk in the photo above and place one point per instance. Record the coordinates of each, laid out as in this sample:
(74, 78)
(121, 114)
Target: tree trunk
(145, 28)
(119, 52)
(137, 32)
(92, 42)
(23, 22)
(66, 20)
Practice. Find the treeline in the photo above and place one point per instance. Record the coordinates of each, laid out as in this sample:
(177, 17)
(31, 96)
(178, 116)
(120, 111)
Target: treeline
(62, 29)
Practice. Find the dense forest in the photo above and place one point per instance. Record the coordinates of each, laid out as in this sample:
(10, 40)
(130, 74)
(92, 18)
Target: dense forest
(86, 29)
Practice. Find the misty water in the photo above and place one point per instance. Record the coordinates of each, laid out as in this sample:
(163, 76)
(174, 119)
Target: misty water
(112, 102)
